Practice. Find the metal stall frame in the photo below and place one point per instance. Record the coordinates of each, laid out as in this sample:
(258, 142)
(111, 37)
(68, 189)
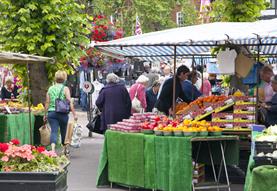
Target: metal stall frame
(175, 55)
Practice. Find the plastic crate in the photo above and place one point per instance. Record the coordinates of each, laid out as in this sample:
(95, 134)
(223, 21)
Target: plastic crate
(259, 161)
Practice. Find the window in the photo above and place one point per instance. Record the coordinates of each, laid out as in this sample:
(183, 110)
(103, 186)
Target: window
(179, 19)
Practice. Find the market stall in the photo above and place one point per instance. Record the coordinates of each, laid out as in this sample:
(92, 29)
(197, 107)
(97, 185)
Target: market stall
(17, 119)
(235, 115)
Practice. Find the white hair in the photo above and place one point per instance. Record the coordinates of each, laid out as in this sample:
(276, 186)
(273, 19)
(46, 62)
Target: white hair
(142, 79)
(112, 78)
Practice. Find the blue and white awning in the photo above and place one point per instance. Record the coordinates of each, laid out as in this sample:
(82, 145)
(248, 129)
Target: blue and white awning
(195, 40)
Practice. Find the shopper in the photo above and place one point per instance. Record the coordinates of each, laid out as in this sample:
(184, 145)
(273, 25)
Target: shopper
(164, 102)
(265, 87)
(9, 91)
(113, 101)
(58, 120)
(167, 75)
(138, 90)
(206, 88)
(153, 76)
(271, 106)
(151, 96)
(190, 90)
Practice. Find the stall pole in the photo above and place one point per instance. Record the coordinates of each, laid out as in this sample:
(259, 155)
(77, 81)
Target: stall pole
(257, 87)
(174, 83)
(202, 72)
(29, 103)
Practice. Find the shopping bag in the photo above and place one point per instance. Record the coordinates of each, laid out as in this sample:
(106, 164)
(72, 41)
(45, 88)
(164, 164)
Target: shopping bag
(45, 133)
(69, 132)
(95, 124)
(136, 104)
(77, 135)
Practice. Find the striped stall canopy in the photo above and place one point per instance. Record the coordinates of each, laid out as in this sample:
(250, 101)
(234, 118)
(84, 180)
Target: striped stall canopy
(195, 40)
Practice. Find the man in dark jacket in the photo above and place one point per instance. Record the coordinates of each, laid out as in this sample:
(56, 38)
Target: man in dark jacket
(164, 103)
(114, 102)
(271, 107)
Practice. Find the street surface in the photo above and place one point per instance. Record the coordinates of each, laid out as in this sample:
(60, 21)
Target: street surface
(84, 162)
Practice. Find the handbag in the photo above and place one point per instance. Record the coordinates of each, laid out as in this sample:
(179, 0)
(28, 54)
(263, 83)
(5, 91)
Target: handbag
(95, 124)
(45, 133)
(136, 104)
(62, 106)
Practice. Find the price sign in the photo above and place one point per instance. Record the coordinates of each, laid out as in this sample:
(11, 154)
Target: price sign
(88, 87)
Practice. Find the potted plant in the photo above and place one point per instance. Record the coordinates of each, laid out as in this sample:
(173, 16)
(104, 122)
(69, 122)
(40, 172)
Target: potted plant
(31, 168)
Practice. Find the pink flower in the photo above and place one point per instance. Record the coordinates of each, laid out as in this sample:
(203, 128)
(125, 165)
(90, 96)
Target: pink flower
(5, 158)
(50, 153)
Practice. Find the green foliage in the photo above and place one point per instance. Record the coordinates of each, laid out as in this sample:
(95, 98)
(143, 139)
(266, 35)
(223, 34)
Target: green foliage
(154, 15)
(237, 10)
(52, 28)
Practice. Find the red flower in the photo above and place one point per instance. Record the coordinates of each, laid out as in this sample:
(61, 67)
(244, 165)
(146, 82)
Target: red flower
(15, 141)
(41, 149)
(3, 147)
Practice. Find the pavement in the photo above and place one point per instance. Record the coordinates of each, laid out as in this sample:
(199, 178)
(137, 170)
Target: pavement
(84, 162)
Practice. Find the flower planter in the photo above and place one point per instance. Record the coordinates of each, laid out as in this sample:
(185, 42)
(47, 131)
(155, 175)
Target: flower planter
(33, 181)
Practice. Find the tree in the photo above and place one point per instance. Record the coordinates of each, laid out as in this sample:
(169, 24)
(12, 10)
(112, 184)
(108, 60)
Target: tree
(237, 10)
(154, 15)
(52, 28)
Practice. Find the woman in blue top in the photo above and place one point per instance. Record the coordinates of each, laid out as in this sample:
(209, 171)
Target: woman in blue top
(58, 120)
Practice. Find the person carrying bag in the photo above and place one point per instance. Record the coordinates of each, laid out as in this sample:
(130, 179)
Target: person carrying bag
(57, 107)
(136, 104)
(137, 94)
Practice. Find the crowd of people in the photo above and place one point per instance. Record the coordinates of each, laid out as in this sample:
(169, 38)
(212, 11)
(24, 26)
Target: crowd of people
(152, 91)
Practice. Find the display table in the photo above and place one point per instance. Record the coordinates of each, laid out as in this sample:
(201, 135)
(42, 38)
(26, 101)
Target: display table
(262, 178)
(15, 126)
(157, 162)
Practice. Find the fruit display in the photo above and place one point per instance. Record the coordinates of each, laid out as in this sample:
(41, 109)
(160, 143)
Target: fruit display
(186, 128)
(161, 125)
(137, 123)
(37, 109)
(15, 107)
(201, 103)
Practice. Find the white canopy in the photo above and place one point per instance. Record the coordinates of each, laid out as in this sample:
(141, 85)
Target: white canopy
(195, 40)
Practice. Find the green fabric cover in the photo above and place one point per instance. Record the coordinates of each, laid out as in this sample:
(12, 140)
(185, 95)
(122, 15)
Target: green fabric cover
(134, 150)
(147, 161)
(16, 126)
(102, 172)
(162, 163)
(248, 178)
(264, 178)
(180, 172)
(126, 158)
